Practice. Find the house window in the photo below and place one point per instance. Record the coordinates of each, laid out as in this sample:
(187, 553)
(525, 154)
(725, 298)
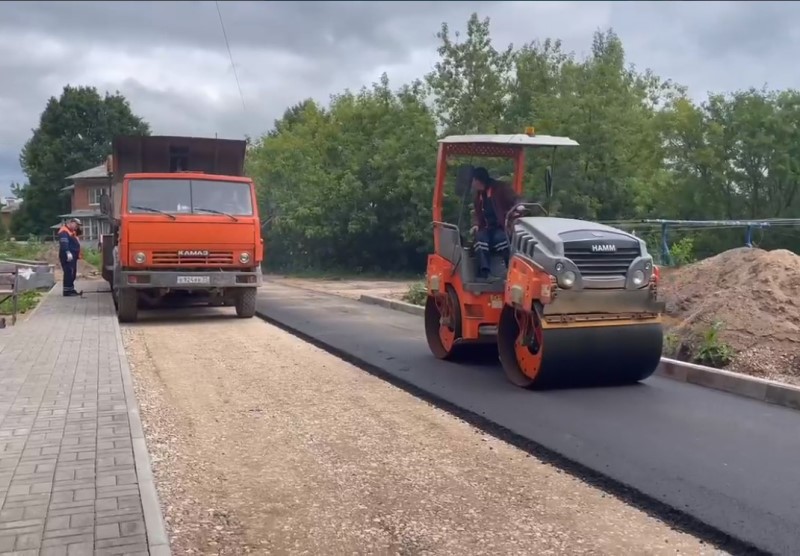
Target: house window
(95, 193)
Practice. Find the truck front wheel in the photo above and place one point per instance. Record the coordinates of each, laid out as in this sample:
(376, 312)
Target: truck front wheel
(127, 305)
(246, 303)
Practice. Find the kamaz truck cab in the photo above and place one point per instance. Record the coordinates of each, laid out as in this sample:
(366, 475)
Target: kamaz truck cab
(184, 223)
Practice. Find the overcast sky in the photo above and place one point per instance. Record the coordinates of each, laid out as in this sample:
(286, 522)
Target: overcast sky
(169, 58)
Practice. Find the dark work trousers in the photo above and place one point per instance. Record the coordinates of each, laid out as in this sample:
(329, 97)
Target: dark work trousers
(487, 240)
(70, 270)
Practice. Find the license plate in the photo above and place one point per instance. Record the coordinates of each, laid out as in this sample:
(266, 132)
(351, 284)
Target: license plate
(183, 280)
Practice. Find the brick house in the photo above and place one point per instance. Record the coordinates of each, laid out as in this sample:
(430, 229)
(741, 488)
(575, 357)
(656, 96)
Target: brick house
(8, 206)
(85, 192)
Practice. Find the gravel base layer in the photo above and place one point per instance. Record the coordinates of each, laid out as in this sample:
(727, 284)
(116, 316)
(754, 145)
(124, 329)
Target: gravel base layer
(263, 444)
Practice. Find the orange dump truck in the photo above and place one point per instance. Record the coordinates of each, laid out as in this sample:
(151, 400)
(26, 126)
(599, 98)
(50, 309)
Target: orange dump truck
(185, 224)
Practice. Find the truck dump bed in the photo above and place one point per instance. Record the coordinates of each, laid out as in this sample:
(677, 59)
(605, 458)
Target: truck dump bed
(136, 154)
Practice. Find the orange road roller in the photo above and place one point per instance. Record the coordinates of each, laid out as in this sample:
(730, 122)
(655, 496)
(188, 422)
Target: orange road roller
(567, 302)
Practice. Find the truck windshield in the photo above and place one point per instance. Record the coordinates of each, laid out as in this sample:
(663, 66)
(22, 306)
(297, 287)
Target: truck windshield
(181, 196)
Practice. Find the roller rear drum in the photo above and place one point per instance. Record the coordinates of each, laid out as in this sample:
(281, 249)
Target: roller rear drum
(610, 355)
(443, 324)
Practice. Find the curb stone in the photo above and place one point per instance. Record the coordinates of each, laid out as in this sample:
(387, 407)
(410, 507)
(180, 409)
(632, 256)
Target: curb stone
(157, 539)
(45, 294)
(760, 389)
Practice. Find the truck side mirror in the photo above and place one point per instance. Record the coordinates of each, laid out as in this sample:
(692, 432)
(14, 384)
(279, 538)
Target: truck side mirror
(463, 179)
(548, 182)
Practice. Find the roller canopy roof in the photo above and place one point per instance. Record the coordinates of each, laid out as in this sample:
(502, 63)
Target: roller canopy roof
(517, 139)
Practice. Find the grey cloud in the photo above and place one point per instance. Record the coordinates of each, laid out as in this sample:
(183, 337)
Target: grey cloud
(288, 51)
(713, 46)
(178, 110)
(334, 45)
(9, 160)
(745, 28)
(322, 29)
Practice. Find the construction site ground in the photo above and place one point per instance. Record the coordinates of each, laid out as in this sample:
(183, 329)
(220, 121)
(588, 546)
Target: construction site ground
(264, 444)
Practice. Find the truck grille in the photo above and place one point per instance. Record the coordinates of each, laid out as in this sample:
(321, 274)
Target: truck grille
(173, 258)
(602, 264)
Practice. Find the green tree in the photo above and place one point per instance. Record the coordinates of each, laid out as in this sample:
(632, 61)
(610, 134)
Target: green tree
(349, 187)
(609, 108)
(74, 133)
(736, 156)
(470, 82)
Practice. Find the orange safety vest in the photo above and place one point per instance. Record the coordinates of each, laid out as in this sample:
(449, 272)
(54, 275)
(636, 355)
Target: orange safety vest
(74, 236)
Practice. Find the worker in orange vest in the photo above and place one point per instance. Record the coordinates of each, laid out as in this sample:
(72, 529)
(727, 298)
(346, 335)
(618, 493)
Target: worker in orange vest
(69, 251)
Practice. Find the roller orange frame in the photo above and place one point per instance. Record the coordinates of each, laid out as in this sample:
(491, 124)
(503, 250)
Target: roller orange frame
(476, 309)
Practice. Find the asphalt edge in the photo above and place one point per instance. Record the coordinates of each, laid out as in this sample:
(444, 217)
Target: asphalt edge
(759, 389)
(672, 516)
(154, 524)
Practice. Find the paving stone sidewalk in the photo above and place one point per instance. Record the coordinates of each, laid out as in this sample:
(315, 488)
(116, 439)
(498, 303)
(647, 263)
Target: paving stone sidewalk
(74, 473)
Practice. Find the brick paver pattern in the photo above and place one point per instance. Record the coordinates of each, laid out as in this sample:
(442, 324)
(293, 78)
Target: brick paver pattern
(67, 477)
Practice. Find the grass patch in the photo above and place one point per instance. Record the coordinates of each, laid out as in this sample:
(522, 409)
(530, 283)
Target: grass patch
(417, 294)
(30, 250)
(712, 351)
(93, 257)
(26, 301)
(701, 346)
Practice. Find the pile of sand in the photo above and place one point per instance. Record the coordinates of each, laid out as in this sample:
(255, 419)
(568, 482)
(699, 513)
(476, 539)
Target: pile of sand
(755, 294)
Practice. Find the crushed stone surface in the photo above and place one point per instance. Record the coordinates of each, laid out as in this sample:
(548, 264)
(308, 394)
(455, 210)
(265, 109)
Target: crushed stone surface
(755, 294)
(263, 444)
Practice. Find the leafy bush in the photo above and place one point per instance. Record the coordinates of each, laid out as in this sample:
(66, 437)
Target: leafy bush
(416, 294)
(682, 251)
(712, 351)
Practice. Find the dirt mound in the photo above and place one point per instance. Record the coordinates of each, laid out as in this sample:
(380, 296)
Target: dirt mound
(755, 296)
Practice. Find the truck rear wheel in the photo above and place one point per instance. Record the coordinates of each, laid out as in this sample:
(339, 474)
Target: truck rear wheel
(246, 303)
(127, 305)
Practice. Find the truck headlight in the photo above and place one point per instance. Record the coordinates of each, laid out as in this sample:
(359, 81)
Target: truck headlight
(140, 258)
(638, 278)
(566, 279)
(244, 258)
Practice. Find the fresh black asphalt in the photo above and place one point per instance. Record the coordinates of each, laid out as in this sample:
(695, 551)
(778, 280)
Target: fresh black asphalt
(729, 462)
